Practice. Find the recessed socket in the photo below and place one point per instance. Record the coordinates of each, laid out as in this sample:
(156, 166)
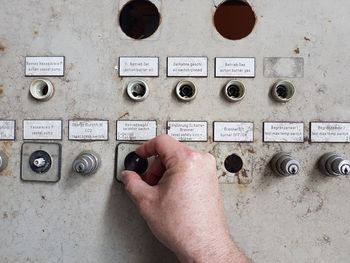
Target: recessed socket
(3, 161)
(233, 163)
(41, 89)
(234, 91)
(86, 163)
(186, 90)
(332, 164)
(282, 91)
(137, 90)
(283, 164)
(41, 162)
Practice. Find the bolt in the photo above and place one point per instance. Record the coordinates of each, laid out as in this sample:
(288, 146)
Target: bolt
(40, 162)
(345, 169)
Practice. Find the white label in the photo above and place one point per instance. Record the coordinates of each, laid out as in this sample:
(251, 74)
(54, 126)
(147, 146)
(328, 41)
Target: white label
(187, 67)
(42, 130)
(330, 132)
(88, 130)
(45, 66)
(196, 131)
(7, 130)
(136, 130)
(235, 67)
(283, 132)
(233, 131)
(138, 67)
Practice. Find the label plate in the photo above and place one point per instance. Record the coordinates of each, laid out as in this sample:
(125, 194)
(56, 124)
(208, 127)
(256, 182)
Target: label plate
(284, 132)
(136, 130)
(233, 131)
(83, 130)
(330, 132)
(42, 130)
(44, 66)
(187, 66)
(235, 67)
(188, 131)
(138, 67)
(7, 130)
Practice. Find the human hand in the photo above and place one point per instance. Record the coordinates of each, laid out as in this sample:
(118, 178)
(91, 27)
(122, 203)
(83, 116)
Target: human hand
(180, 200)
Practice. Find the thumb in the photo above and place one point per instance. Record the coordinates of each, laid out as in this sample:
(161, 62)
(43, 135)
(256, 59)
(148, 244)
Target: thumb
(136, 187)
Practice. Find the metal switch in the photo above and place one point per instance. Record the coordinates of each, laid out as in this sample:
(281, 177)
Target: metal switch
(283, 164)
(332, 164)
(86, 163)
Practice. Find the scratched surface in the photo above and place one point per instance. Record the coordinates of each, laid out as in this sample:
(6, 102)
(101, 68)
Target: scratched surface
(90, 219)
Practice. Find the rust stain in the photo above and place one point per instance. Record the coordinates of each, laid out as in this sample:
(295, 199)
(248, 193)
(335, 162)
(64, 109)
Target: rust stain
(252, 151)
(126, 114)
(2, 47)
(297, 51)
(6, 147)
(307, 39)
(1, 90)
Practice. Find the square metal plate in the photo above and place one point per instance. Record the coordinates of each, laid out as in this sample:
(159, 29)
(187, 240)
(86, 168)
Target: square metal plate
(53, 175)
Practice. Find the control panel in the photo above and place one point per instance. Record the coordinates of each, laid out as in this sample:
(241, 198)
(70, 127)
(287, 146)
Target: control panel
(261, 85)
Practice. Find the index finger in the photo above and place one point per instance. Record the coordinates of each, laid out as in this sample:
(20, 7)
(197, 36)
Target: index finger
(163, 145)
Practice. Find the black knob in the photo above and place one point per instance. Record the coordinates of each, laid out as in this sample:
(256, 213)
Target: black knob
(133, 162)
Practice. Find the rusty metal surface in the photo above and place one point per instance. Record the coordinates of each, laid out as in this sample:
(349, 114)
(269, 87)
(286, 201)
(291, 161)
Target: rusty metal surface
(90, 219)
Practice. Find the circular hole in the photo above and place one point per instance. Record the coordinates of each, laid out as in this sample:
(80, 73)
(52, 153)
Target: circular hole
(234, 19)
(133, 162)
(283, 91)
(186, 90)
(137, 90)
(233, 163)
(139, 19)
(41, 89)
(234, 91)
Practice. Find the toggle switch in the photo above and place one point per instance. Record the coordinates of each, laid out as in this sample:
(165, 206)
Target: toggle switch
(41, 162)
(332, 164)
(86, 163)
(3, 161)
(283, 164)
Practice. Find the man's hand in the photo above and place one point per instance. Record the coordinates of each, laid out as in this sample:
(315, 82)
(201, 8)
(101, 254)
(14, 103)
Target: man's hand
(181, 202)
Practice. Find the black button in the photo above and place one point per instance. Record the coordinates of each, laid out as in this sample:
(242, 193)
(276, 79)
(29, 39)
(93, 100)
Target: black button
(133, 162)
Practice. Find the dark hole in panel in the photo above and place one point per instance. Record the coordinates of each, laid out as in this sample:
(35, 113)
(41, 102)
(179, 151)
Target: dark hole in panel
(234, 19)
(139, 19)
(233, 163)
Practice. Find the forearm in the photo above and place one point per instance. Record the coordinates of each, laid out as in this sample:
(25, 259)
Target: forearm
(224, 251)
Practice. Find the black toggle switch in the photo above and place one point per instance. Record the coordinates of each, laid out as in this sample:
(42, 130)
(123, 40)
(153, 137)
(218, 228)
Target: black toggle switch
(133, 162)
